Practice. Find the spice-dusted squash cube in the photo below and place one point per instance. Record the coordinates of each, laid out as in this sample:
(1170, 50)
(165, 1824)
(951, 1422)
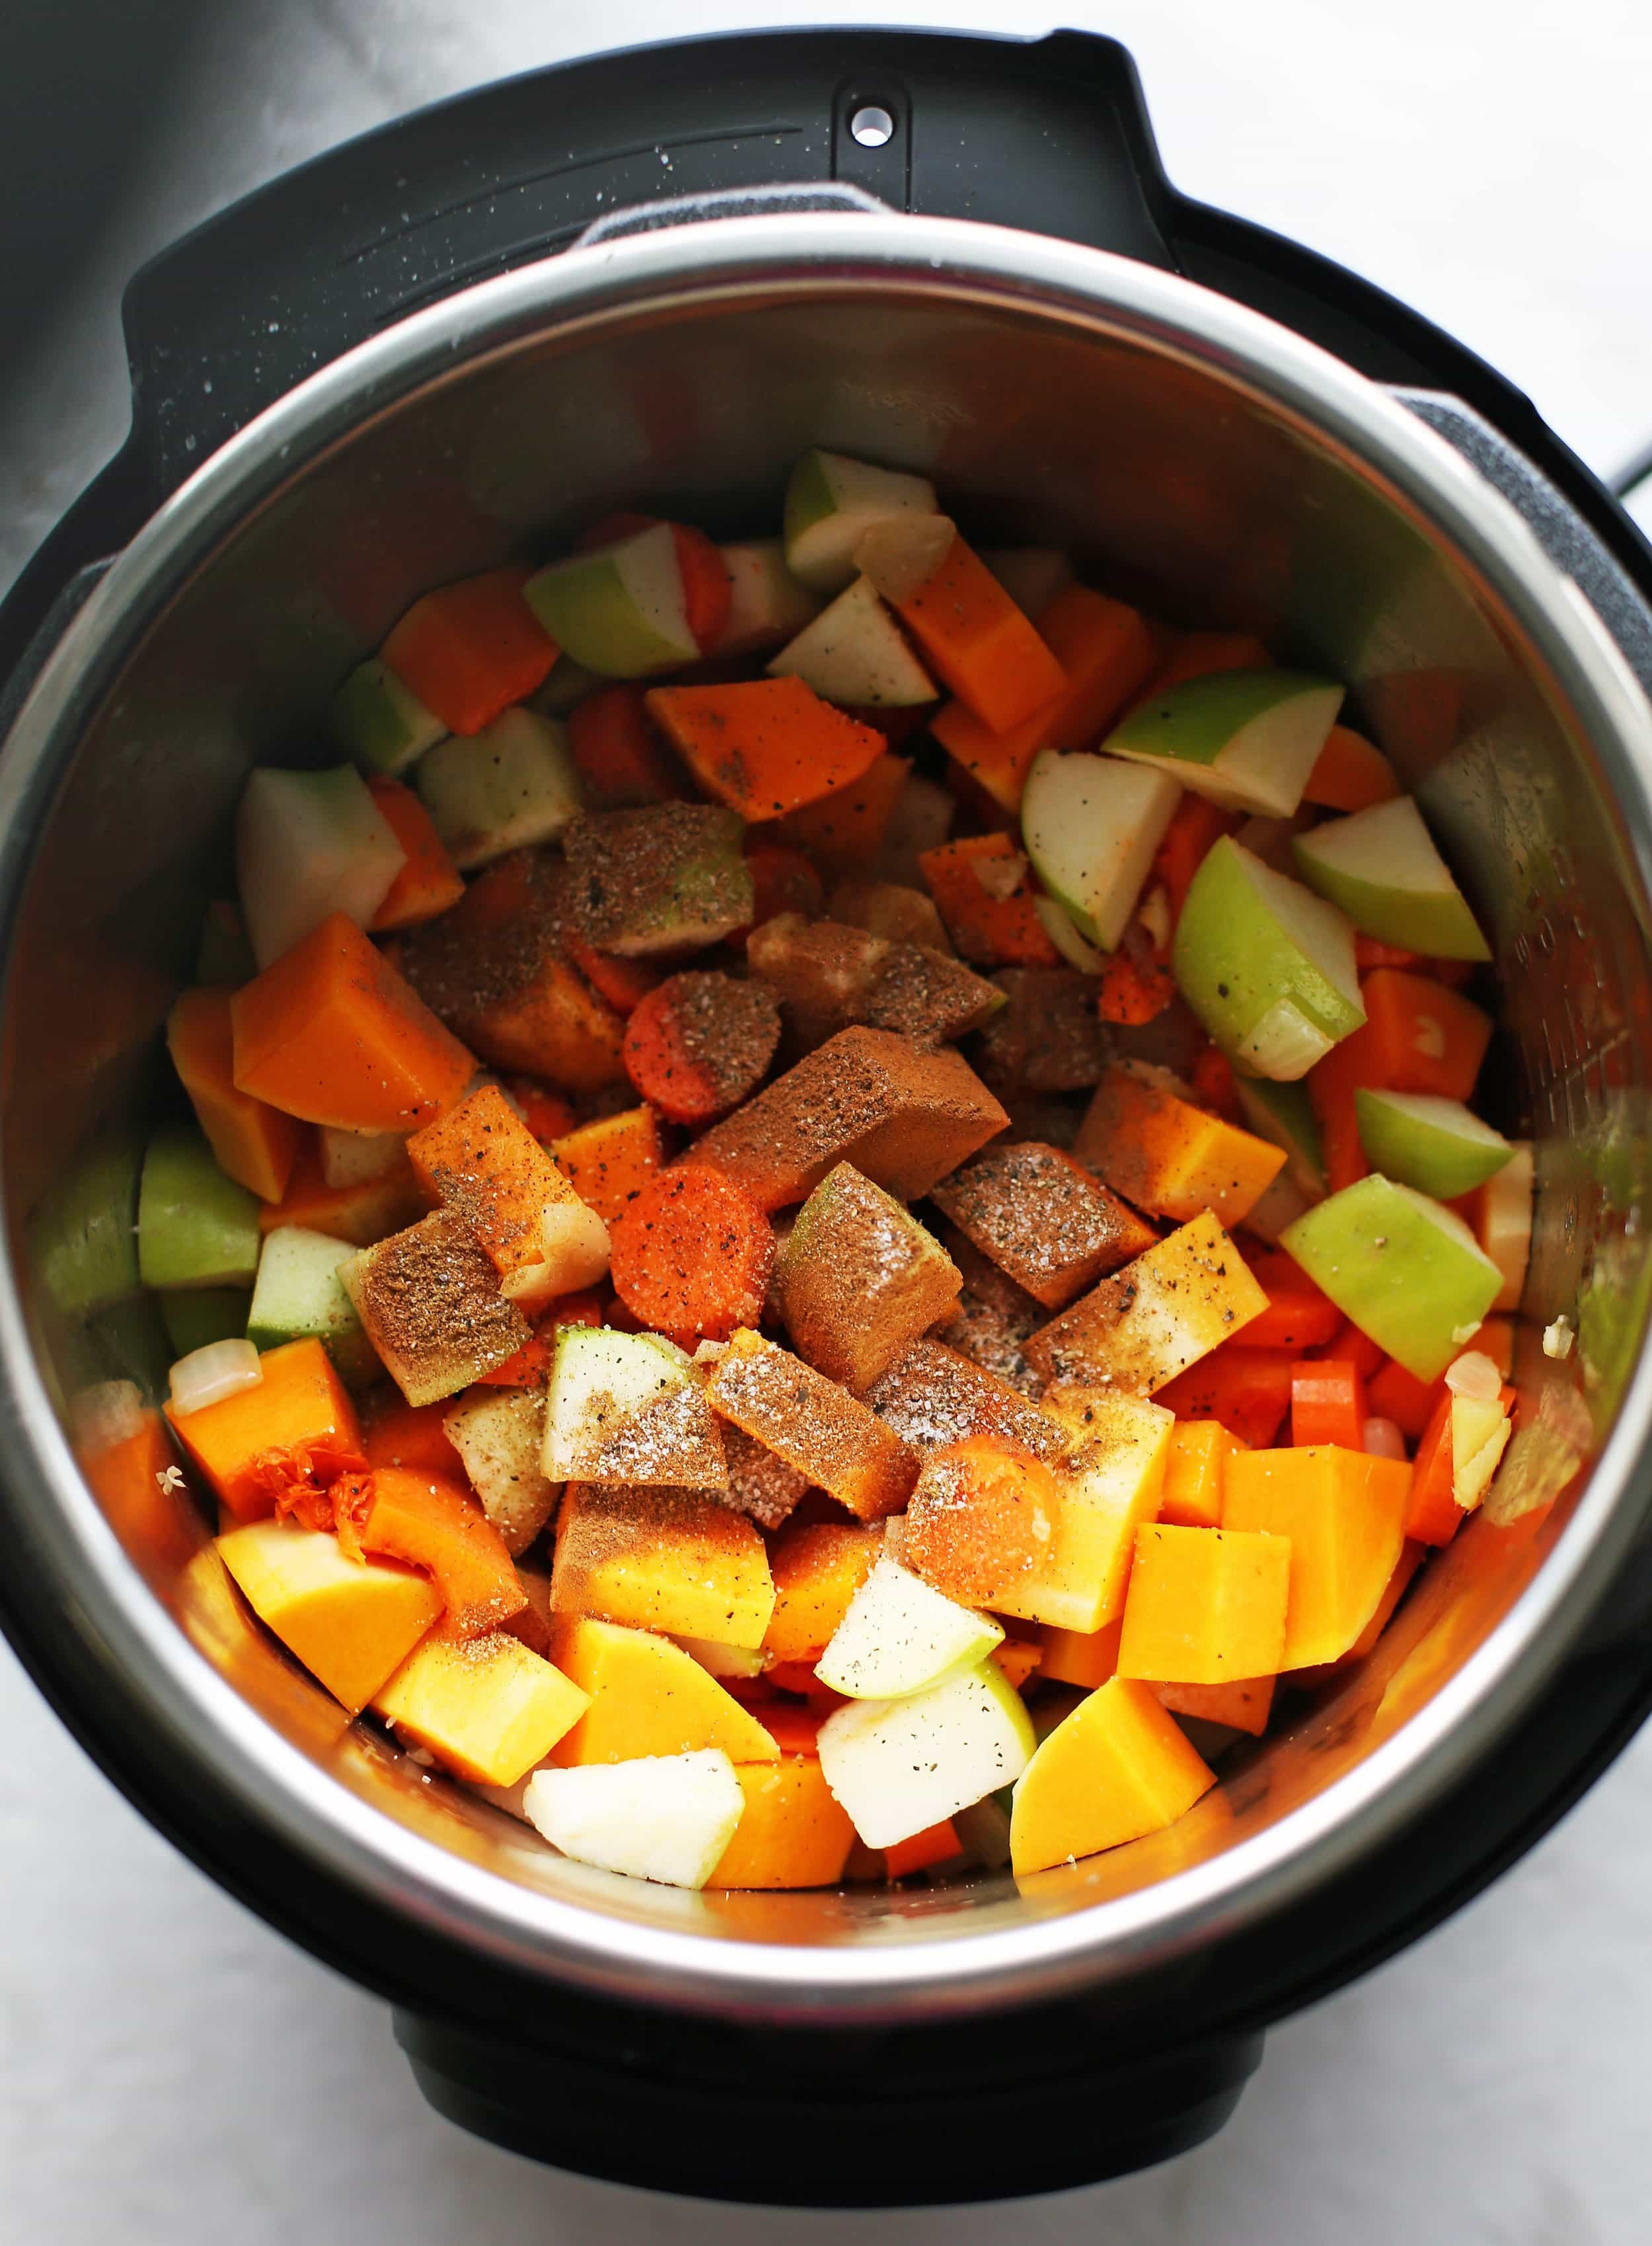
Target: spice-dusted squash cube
(352, 1623)
(624, 1407)
(1112, 1489)
(484, 1163)
(815, 1425)
(1345, 1513)
(1156, 1316)
(371, 1209)
(1042, 1219)
(904, 1117)
(859, 1279)
(648, 1697)
(667, 877)
(891, 909)
(1118, 1767)
(762, 1485)
(1244, 1705)
(981, 1521)
(828, 975)
(1169, 1157)
(1048, 1037)
(818, 1567)
(610, 1161)
(932, 1396)
(1085, 1657)
(792, 1832)
(499, 1435)
(661, 1559)
(1196, 1474)
(429, 1300)
(1205, 1606)
(486, 1706)
(297, 1428)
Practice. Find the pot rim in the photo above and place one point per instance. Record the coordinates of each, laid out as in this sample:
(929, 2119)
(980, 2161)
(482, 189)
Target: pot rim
(272, 1783)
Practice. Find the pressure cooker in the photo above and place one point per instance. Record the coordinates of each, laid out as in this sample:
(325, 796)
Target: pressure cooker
(655, 278)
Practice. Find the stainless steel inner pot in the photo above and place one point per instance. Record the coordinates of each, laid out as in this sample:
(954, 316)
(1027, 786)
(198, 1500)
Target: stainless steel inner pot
(1201, 460)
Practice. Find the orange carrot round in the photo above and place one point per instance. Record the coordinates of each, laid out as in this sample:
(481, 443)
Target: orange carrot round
(701, 1044)
(692, 1256)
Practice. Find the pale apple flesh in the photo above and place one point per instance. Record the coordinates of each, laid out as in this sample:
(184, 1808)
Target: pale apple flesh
(832, 501)
(667, 1818)
(1091, 826)
(620, 611)
(854, 652)
(900, 1636)
(1246, 739)
(899, 1766)
(1382, 869)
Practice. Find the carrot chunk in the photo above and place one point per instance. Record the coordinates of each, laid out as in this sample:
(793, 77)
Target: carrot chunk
(764, 745)
(1299, 1317)
(432, 1524)
(621, 760)
(609, 1161)
(691, 1255)
(1195, 826)
(255, 1144)
(1327, 1404)
(469, 649)
(1418, 1035)
(1201, 654)
(843, 832)
(429, 883)
(978, 642)
(547, 1114)
(1248, 1390)
(1350, 774)
(783, 881)
(397, 1433)
(1133, 987)
(294, 1432)
(701, 1044)
(331, 1032)
(981, 891)
(1434, 1516)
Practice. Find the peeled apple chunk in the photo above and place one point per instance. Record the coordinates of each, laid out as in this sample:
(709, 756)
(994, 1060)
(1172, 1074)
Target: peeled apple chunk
(667, 1818)
(900, 1636)
(1408, 1272)
(1091, 826)
(619, 611)
(512, 785)
(1117, 1767)
(309, 844)
(1268, 967)
(627, 1407)
(831, 503)
(766, 602)
(854, 652)
(899, 1766)
(1381, 868)
(1245, 739)
(1438, 1146)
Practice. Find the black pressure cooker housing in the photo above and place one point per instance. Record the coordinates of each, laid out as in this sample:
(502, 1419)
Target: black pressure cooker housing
(1051, 137)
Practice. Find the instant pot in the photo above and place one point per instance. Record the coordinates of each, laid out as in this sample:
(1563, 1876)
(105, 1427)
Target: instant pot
(654, 278)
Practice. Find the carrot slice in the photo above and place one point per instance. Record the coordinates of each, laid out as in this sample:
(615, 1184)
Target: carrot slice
(843, 833)
(434, 1524)
(547, 1114)
(783, 881)
(1327, 1404)
(1104, 648)
(691, 1255)
(1393, 1393)
(1248, 1390)
(397, 1433)
(255, 1144)
(1434, 1516)
(429, 883)
(1350, 774)
(1299, 1317)
(764, 745)
(1371, 952)
(1133, 987)
(623, 983)
(1212, 1081)
(621, 760)
(469, 649)
(977, 641)
(1348, 1343)
(1420, 1035)
(330, 1031)
(936, 1844)
(701, 1044)
(296, 1431)
(1194, 828)
(609, 1161)
(991, 927)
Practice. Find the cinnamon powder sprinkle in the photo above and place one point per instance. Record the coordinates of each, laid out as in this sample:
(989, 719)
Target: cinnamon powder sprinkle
(429, 1298)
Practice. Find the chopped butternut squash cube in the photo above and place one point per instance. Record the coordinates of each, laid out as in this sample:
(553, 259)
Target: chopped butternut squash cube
(1196, 1474)
(792, 1832)
(483, 1162)
(1345, 1513)
(352, 1623)
(297, 1428)
(818, 1567)
(661, 1559)
(648, 1697)
(429, 1298)
(486, 1706)
(610, 1161)
(812, 1424)
(1117, 1767)
(1086, 1657)
(1169, 1157)
(1242, 1706)
(1111, 1490)
(1150, 1321)
(1042, 1219)
(1205, 1606)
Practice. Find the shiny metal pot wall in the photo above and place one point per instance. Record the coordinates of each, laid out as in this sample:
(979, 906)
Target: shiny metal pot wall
(1205, 462)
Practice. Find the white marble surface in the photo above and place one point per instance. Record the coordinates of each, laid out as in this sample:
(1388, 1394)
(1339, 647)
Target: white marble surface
(169, 2070)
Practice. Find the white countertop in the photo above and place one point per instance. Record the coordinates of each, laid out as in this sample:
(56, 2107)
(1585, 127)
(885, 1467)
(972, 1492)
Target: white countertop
(172, 2071)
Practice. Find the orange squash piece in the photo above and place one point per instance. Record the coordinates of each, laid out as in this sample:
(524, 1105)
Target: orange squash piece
(1350, 774)
(843, 833)
(936, 1844)
(792, 1832)
(1246, 1390)
(362, 1214)
(332, 1033)
(648, 1697)
(469, 649)
(1195, 1474)
(1200, 654)
(1242, 1706)
(1086, 1657)
(428, 882)
(818, 1567)
(1170, 1157)
(296, 1431)
(397, 1433)
(252, 1142)
(435, 1525)
(977, 642)
(609, 1161)
(482, 1160)
(812, 1424)
(140, 1496)
(659, 1558)
(1205, 1606)
(1118, 1767)
(764, 747)
(1344, 1513)
(992, 925)
(622, 762)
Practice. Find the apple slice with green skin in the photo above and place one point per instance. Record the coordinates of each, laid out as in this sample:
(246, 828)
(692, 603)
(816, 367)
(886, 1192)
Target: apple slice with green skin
(620, 611)
(767, 604)
(512, 784)
(667, 1818)
(898, 1766)
(298, 1294)
(899, 1636)
(832, 501)
(196, 1227)
(1438, 1146)
(1060, 928)
(1246, 739)
(309, 844)
(1268, 967)
(1091, 826)
(1408, 1272)
(1381, 867)
(854, 652)
(379, 721)
(1284, 1113)
(1032, 575)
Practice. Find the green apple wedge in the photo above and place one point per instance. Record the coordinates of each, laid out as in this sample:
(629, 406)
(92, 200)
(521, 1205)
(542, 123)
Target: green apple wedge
(1246, 739)
(1090, 825)
(1438, 1146)
(854, 652)
(667, 1818)
(832, 501)
(1406, 1270)
(620, 611)
(900, 1765)
(1032, 575)
(309, 844)
(899, 1636)
(767, 604)
(298, 1294)
(379, 721)
(1268, 967)
(1381, 868)
(196, 1227)
(512, 784)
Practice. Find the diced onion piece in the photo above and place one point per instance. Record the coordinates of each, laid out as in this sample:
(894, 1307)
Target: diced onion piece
(108, 1412)
(1557, 1337)
(207, 1375)
(1154, 916)
(1382, 1439)
(1474, 1374)
(1000, 877)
